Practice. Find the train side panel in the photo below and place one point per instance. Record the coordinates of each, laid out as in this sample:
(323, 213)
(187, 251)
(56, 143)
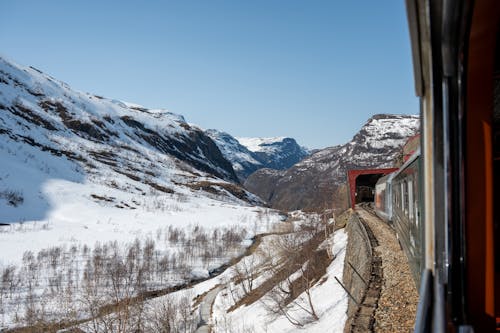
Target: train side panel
(406, 213)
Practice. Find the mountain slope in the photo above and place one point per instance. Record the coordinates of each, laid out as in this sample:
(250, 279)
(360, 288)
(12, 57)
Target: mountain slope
(312, 183)
(48, 130)
(41, 101)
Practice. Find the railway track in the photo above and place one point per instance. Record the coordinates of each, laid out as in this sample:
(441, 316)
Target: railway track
(368, 207)
(364, 318)
(390, 300)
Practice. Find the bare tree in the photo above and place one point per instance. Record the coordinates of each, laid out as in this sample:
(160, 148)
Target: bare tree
(291, 297)
(245, 272)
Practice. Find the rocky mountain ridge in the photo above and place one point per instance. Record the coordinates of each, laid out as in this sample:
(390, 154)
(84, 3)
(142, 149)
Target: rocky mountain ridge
(313, 183)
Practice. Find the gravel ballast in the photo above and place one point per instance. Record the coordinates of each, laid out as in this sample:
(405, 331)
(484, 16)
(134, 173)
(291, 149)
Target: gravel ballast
(398, 301)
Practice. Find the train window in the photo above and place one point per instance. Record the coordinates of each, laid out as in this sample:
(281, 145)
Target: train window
(410, 198)
(405, 197)
(395, 195)
(416, 198)
(402, 205)
(380, 197)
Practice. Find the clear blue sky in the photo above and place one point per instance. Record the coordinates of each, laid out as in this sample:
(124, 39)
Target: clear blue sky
(312, 70)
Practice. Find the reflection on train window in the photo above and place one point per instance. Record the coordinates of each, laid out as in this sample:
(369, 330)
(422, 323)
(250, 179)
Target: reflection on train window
(395, 195)
(402, 197)
(415, 194)
(405, 197)
(410, 198)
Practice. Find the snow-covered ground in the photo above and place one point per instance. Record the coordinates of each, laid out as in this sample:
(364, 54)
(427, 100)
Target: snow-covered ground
(210, 302)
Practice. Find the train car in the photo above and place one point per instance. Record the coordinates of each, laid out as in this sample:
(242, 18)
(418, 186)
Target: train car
(405, 204)
(383, 198)
(398, 202)
(456, 57)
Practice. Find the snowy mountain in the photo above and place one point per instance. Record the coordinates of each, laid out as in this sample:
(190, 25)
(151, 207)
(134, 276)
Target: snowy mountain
(49, 131)
(244, 161)
(250, 154)
(275, 153)
(313, 182)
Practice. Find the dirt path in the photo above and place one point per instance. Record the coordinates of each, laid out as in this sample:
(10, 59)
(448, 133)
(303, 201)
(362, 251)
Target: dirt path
(206, 309)
(398, 300)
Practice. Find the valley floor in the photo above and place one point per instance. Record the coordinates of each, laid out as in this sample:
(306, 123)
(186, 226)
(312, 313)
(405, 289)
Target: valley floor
(57, 278)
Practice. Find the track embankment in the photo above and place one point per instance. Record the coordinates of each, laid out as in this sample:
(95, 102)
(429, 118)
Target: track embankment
(376, 272)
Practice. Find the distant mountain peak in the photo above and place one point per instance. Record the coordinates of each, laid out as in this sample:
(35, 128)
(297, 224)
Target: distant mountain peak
(250, 154)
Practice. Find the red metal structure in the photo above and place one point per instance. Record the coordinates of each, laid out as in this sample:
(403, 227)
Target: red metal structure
(352, 175)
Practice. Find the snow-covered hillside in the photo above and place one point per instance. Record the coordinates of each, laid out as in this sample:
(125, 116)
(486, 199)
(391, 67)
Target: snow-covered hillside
(81, 168)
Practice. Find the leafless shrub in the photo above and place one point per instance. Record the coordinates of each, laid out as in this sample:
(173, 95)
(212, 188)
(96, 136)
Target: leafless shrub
(80, 280)
(245, 272)
(172, 314)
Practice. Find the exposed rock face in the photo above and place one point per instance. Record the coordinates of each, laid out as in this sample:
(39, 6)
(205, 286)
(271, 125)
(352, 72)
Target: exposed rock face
(250, 154)
(196, 148)
(312, 183)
